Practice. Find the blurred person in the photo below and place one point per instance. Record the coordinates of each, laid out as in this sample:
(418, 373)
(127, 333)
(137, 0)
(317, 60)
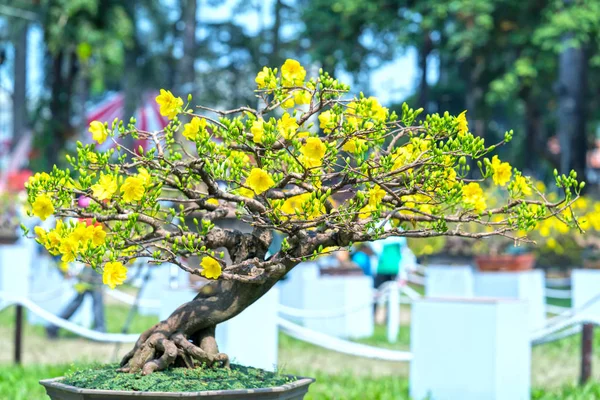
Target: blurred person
(388, 254)
(89, 284)
(362, 256)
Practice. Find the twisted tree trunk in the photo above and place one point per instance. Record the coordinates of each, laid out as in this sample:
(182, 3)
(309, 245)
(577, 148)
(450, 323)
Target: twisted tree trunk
(187, 337)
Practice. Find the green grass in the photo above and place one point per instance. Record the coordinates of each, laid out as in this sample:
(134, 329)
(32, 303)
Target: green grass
(21, 383)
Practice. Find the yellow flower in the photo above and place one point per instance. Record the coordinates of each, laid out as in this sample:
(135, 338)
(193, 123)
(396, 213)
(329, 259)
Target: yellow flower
(40, 233)
(502, 171)
(297, 205)
(81, 234)
(53, 238)
(259, 180)
(302, 97)
(258, 130)
(105, 188)
(326, 121)
(213, 202)
(353, 145)
(473, 196)
(211, 268)
(192, 128)
(451, 176)
(402, 156)
(376, 111)
(246, 192)
(287, 126)
(42, 207)
(292, 73)
(145, 176)
(313, 148)
(170, 105)
(133, 189)
(366, 211)
(239, 157)
(98, 235)
(68, 248)
(98, 131)
(521, 185)
(92, 158)
(289, 103)
(114, 274)
(551, 243)
(263, 77)
(540, 186)
(463, 124)
(309, 162)
(376, 195)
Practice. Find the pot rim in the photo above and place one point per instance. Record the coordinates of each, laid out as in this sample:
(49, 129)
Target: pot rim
(55, 383)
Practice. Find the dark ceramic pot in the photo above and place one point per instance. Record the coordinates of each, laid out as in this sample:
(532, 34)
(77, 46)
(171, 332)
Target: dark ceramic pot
(290, 391)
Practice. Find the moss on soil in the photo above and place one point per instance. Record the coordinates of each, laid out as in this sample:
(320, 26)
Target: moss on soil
(106, 377)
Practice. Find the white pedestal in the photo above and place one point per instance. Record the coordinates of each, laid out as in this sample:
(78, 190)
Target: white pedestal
(354, 293)
(292, 288)
(585, 289)
(470, 349)
(524, 285)
(49, 290)
(251, 338)
(449, 281)
(161, 278)
(15, 263)
(173, 298)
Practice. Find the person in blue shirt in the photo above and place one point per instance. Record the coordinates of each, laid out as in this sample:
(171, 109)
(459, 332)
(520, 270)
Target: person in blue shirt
(362, 257)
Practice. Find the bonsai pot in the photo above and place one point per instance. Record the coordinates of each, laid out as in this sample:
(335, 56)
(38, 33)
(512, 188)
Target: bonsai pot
(505, 262)
(8, 236)
(290, 391)
(591, 263)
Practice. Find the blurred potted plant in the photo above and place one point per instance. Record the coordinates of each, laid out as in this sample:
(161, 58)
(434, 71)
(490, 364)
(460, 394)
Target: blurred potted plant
(557, 245)
(418, 179)
(11, 198)
(505, 251)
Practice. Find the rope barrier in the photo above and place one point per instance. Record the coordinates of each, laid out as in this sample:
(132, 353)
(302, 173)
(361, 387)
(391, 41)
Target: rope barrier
(340, 345)
(558, 310)
(558, 282)
(130, 300)
(557, 336)
(558, 293)
(50, 294)
(68, 325)
(416, 279)
(296, 331)
(567, 319)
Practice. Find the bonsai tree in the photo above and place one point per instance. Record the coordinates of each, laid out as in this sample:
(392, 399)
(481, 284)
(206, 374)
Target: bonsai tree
(324, 169)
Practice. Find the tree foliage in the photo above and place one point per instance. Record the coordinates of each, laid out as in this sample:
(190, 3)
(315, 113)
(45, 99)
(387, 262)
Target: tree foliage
(366, 173)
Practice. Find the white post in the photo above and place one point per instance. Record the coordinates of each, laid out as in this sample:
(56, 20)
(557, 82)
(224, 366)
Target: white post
(449, 281)
(470, 349)
(522, 285)
(393, 312)
(586, 291)
(251, 338)
(15, 262)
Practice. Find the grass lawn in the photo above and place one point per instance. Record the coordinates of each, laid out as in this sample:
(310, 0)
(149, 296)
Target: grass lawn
(554, 366)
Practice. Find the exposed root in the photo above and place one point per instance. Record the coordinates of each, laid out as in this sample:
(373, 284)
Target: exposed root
(157, 349)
